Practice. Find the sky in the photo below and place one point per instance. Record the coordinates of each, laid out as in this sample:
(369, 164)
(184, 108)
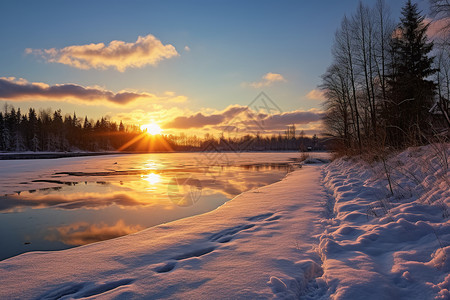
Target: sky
(189, 66)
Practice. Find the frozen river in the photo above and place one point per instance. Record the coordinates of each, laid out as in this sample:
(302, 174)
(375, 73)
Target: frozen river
(54, 204)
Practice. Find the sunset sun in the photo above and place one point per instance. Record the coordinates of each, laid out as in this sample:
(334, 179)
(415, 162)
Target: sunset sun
(152, 128)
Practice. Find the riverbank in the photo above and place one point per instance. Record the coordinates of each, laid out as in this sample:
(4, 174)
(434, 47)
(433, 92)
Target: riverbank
(54, 155)
(325, 231)
(50, 155)
(233, 251)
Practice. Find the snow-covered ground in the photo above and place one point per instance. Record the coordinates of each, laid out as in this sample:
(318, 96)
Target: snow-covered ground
(325, 231)
(379, 246)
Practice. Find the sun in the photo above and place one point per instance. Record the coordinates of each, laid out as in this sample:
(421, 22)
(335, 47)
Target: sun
(152, 128)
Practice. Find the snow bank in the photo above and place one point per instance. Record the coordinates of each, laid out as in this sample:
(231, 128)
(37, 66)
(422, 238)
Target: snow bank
(259, 245)
(382, 246)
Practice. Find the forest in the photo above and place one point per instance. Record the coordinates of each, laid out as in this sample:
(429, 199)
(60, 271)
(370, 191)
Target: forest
(50, 131)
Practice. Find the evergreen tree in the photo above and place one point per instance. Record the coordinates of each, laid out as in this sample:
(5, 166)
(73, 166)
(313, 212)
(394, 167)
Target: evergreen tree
(2, 129)
(411, 93)
(32, 130)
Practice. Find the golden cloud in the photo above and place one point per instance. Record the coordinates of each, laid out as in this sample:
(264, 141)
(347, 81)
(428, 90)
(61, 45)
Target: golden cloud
(244, 119)
(316, 95)
(267, 80)
(147, 50)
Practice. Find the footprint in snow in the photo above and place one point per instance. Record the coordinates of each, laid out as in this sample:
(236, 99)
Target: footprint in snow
(81, 290)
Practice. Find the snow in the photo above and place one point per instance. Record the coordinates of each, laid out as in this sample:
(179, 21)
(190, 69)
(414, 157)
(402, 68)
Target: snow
(324, 232)
(382, 246)
(233, 251)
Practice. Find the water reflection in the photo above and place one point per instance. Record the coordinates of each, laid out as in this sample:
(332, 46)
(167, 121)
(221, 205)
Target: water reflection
(94, 205)
(184, 191)
(152, 178)
(77, 200)
(82, 233)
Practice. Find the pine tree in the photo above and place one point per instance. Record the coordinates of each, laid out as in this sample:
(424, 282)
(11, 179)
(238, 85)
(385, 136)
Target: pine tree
(2, 128)
(411, 93)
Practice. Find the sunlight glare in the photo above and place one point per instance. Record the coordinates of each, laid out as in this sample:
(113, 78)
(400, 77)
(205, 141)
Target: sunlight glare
(152, 128)
(152, 178)
(151, 165)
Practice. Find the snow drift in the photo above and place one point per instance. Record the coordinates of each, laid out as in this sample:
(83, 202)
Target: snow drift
(324, 232)
(382, 246)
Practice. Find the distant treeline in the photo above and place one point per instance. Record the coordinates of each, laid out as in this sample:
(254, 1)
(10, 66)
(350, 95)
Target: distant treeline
(50, 131)
(289, 141)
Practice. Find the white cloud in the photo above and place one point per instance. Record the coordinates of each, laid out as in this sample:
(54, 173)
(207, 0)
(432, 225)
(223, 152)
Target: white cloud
(147, 50)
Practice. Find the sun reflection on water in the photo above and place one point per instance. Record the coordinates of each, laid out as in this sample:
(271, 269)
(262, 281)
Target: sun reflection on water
(140, 192)
(152, 178)
(151, 165)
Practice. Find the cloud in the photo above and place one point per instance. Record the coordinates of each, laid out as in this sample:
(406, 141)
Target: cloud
(316, 95)
(439, 28)
(243, 119)
(147, 50)
(282, 120)
(200, 120)
(267, 80)
(186, 48)
(20, 90)
(71, 201)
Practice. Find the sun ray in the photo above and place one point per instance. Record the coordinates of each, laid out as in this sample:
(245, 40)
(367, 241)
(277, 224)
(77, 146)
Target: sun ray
(151, 128)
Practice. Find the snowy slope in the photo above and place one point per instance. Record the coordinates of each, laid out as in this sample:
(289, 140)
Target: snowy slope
(324, 232)
(379, 246)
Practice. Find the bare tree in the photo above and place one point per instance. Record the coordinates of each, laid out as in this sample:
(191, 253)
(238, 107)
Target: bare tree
(362, 24)
(336, 88)
(442, 64)
(343, 52)
(384, 27)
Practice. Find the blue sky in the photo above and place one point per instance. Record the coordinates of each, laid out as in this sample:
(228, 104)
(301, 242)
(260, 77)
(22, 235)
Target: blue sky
(223, 50)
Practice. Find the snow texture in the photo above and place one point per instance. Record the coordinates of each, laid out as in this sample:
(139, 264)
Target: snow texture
(324, 232)
(382, 246)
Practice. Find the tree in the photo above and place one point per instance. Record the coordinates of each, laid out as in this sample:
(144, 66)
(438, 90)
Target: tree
(442, 64)
(344, 53)
(384, 28)
(337, 119)
(440, 11)
(363, 26)
(411, 93)
(32, 130)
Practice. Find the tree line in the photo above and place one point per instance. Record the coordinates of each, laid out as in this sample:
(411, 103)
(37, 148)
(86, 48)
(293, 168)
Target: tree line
(288, 141)
(50, 131)
(388, 83)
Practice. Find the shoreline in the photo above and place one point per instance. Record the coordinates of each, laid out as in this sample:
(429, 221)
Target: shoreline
(206, 248)
(51, 155)
(56, 155)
